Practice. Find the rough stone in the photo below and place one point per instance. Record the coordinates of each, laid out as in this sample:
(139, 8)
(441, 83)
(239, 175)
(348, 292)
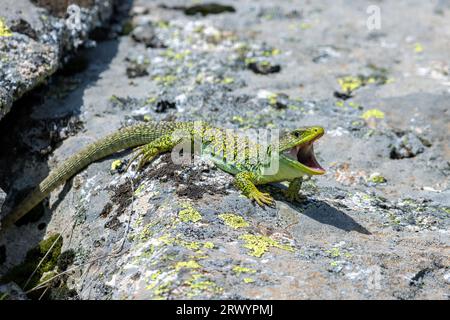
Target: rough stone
(372, 227)
(41, 38)
(2, 198)
(12, 291)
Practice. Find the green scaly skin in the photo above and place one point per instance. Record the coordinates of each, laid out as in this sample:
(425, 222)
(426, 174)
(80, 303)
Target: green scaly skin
(237, 155)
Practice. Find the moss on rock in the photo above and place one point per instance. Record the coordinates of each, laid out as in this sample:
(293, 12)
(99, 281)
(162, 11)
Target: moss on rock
(20, 273)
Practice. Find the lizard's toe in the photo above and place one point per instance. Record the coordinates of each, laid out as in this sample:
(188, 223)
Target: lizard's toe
(143, 161)
(135, 156)
(262, 198)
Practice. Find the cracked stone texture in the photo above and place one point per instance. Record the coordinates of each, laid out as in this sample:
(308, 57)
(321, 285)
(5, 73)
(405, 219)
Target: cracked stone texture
(376, 226)
(40, 38)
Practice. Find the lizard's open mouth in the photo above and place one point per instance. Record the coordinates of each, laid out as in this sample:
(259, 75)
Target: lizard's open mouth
(304, 154)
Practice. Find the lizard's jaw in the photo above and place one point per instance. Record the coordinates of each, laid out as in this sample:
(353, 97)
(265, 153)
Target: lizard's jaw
(304, 154)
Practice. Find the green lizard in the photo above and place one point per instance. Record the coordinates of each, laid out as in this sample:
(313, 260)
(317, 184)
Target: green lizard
(251, 163)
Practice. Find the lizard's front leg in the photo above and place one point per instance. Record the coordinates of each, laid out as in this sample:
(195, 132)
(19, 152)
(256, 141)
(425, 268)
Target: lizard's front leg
(149, 151)
(292, 192)
(245, 181)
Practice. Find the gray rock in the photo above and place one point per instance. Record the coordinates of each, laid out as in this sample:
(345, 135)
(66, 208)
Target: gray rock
(41, 38)
(407, 146)
(2, 198)
(11, 291)
(146, 34)
(182, 231)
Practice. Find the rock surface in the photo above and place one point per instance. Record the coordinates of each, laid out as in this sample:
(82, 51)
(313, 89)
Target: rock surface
(12, 291)
(36, 37)
(2, 198)
(376, 226)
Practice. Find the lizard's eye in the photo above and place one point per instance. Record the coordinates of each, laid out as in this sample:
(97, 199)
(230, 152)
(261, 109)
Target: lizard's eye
(297, 134)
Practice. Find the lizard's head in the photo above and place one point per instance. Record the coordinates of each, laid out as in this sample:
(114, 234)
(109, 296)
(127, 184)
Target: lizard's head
(297, 148)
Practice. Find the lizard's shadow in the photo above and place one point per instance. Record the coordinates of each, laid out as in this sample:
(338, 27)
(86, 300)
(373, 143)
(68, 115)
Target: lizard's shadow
(324, 213)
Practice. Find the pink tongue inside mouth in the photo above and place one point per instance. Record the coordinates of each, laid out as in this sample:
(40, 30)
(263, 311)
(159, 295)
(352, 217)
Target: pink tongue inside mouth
(305, 155)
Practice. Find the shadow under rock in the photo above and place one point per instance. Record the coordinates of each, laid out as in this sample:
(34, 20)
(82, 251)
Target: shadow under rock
(18, 126)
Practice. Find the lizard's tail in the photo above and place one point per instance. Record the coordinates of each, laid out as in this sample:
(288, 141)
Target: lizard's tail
(129, 137)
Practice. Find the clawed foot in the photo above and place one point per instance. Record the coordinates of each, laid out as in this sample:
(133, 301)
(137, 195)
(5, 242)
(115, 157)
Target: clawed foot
(262, 198)
(145, 153)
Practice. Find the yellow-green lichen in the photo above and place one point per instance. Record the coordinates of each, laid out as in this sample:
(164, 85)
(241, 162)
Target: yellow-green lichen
(116, 100)
(116, 165)
(248, 280)
(238, 119)
(163, 24)
(192, 245)
(377, 178)
(373, 113)
(155, 275)
(273, 52)
(418, 47)
(151, 100)
(334, 252)
(4, 30)
(394, 219)
(238, 270)
(349, 83)
(228, 80)
(198, 284)
(354, 105)
(177, 55)
(390, 80)
(166, 239)
(233, 220)
(161, 290)
(199, 255)
(305, 26)
(339, 103)
(208, 245)
(139, 189)
(148, 253)
(166, 80)
(272, 98)
(191, 264)
(146, 232)
(202, 285)
(259, 245)
(249, 61)
(189, 214)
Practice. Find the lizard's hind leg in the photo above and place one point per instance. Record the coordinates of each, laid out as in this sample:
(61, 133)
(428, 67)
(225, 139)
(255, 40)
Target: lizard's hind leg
(149, 151)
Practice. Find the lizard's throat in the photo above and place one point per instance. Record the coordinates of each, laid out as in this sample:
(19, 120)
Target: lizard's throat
(304, 154)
